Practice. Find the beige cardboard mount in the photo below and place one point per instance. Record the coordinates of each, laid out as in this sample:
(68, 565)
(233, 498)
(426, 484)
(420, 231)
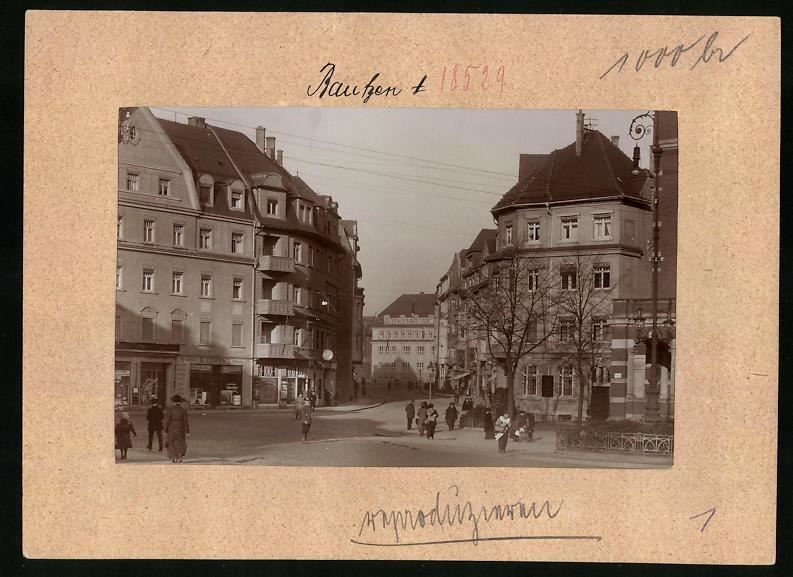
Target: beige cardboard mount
(82, 66)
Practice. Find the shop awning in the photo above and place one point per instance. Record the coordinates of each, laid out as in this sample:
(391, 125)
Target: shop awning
(460, 376)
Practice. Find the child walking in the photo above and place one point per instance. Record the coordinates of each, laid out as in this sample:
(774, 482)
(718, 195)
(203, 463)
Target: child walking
(123, 429)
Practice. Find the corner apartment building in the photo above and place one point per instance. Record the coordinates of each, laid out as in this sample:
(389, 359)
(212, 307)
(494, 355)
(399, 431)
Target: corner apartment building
(235, 264)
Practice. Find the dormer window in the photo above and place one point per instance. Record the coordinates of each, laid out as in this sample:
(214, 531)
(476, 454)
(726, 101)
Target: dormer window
(272, 207)
(165, 187)
(237, 199)
(205, 196)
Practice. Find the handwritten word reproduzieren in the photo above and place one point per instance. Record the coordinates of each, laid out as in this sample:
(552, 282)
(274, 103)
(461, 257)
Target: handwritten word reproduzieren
(478, 77)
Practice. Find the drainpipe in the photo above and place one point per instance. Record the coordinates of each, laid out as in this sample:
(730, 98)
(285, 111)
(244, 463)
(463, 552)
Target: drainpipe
(254, 403)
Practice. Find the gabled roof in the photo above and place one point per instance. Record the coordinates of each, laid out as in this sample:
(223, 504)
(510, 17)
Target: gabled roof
(422, 304)
(602, 170)
(481, 239)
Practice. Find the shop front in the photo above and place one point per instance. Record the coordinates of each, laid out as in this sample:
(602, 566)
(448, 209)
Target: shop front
(216, 385)
(143, 372)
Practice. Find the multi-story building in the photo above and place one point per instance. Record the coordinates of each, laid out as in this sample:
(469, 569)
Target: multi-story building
(403, 341)
(583, 215)
(235, 265)
(185, 261)
(351, 301)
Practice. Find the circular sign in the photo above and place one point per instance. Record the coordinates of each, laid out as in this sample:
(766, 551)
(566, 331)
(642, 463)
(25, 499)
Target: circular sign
(327, 354)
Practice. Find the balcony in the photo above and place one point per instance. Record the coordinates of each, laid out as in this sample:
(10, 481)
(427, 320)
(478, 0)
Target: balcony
(274, 307)
(269, 263)
(275, 351)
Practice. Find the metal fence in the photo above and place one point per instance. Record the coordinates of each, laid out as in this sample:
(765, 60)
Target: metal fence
(613, 442)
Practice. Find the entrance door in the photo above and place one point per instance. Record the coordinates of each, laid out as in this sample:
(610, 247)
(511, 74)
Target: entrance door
(599, 404)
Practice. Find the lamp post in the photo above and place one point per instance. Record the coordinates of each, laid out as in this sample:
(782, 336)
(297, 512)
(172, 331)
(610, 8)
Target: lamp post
(641, 126)
(431, 368)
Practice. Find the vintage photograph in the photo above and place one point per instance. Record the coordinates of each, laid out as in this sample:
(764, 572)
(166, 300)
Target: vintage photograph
(396, 287)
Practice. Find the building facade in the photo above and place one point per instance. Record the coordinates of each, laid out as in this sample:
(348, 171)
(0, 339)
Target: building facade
(229, 268)
(403, 342)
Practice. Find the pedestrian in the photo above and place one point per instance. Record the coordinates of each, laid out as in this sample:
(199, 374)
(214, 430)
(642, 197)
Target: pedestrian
(456, 394)
(305, 420)
(154, 417)
(451, 416)
(177, 429)
(432, 421)
(410, 412)
(299, 405)
(123, 429)
(490, 432)
(468, 404)
(389, 384)
(502, 431)
(313, 400)
(421, 421)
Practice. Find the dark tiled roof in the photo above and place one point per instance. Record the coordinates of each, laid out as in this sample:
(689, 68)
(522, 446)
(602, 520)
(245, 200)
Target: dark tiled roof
(602, 170)
(201, 150)
(421, 304)
(528, 162)
(248, 158)
(482, 238)
(303, 190)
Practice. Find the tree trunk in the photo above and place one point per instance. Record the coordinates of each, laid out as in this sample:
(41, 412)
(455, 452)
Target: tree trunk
(581, 386)
(510, 375)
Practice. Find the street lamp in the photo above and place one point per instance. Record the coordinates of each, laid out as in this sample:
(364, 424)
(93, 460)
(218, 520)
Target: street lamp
(431, 368)
(641, 126)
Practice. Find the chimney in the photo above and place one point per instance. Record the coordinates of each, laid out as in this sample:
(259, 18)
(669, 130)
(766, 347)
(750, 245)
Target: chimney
(270, 140)
(579, 132)
(199, 121)
(260, 138)
(279, 156)
(615, 140)
(636, 157)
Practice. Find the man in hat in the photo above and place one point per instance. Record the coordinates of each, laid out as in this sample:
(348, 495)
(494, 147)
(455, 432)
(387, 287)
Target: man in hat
(154, 417)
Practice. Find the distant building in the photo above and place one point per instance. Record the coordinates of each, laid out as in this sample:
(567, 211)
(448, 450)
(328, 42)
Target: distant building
(403, 341)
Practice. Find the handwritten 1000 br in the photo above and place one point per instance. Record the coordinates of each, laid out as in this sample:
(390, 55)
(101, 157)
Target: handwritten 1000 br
(479, 77)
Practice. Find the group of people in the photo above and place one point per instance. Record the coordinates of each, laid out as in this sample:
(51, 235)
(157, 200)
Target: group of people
(426, 418)
(504, 428)
(174, 422)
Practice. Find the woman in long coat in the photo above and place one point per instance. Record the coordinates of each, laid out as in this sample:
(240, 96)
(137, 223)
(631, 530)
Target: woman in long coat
(176, 430)
(123, 429)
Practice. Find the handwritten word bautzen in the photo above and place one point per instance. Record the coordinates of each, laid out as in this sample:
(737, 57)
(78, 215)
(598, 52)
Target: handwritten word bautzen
(330, 87)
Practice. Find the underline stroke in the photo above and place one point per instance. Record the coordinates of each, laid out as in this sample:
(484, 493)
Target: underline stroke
(476, 540)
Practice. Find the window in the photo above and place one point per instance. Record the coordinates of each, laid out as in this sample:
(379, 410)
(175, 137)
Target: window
(148, 230)
(236, 289)
(120, 227)
(205, 195)
(178, 235)
(206, 285)
(533, 279)
(566, 330)
(508, 235)
(236, 334)
(531, 380)
(381, 349)
(296, 337)
(177, 282)
(298, 295)
(205, 238)
(566, 380)
(570, 228)
(147, 329)
(603, 226)
(119, 276)
(600, 330)
(132, 181)
(310, 255)
(602, 276)
(533, 231)
(297, 252)
(272, 207)
(265, 332)
(118, 327)
(237, 197)
(406, 350)
(569, 278)
(177, 330)
(420, 366)
(165, 187)
(236, 242)
(205, 333)
(420, 350)
(148, 280)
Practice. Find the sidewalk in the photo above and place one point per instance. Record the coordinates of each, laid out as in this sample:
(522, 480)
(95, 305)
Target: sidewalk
(348, 407)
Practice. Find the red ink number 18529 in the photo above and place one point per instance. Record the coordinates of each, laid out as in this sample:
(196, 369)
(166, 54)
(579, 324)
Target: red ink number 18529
(472, 77)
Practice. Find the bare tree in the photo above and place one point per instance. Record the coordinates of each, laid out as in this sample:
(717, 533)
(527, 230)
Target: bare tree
(584, 305)
(512, 311)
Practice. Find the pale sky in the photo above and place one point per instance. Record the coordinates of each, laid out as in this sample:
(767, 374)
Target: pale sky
(409, 231)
